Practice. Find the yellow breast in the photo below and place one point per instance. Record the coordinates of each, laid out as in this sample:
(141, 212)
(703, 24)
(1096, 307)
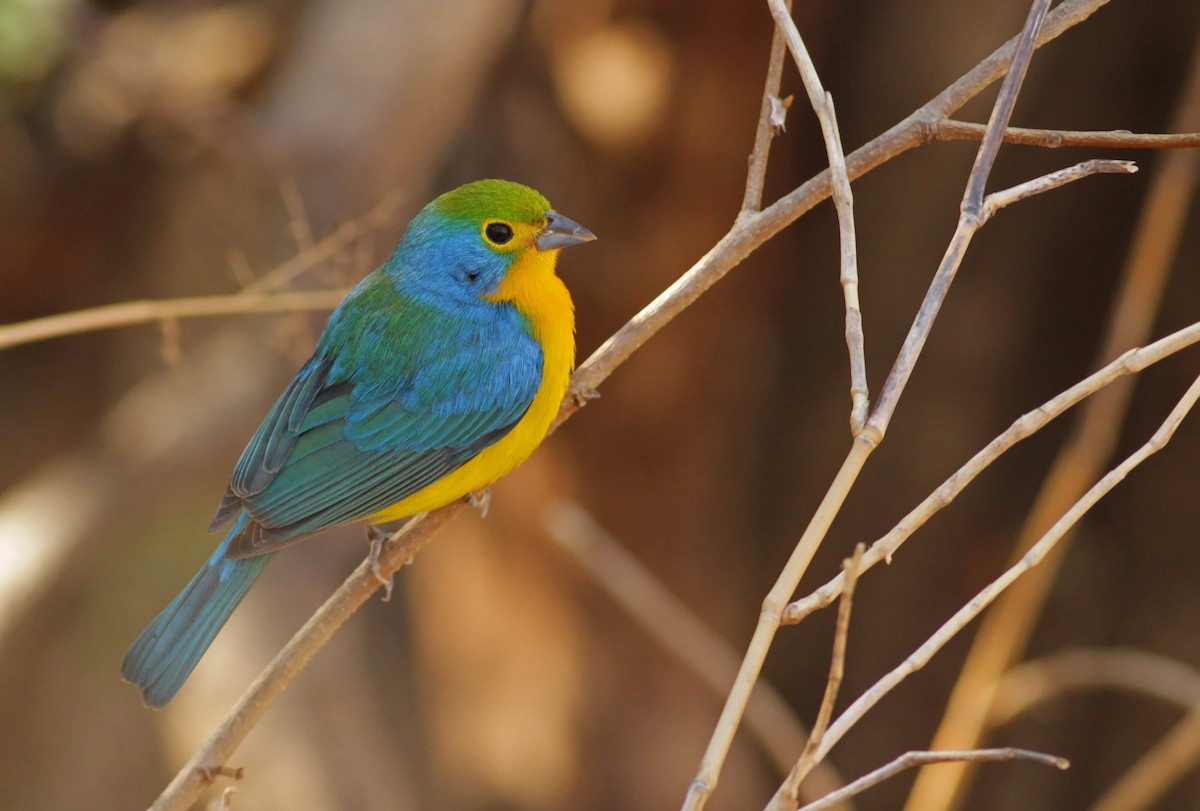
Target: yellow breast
(540, 295)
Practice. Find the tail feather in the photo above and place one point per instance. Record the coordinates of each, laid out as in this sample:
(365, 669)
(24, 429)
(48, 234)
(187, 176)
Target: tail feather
(163, 657)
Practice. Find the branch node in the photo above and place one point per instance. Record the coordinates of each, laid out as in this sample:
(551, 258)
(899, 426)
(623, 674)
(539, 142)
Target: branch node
(209, 774)
(779, 111)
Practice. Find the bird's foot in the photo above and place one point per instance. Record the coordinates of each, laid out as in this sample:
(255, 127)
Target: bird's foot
(583, 396)
(481, 500)
(376, 537)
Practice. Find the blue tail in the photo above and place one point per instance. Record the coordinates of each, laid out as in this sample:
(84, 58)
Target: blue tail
(162, 658)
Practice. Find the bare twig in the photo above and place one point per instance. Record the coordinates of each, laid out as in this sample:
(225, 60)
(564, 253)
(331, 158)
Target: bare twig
(149, 311)
(1006, 101)
(1137, 671)
(910, 759)
(1003, 633)
(872, 434)
(843, 200)
(748, 233)
(1052, 139)
(919, 658)
(261, 296)
(297, 214)
(770, 123)
(787, 797)
(683, 635)
(751, 231)
(1025, 426)
(968, 224)
(399, 549)
(1023, 191)
(380, 215)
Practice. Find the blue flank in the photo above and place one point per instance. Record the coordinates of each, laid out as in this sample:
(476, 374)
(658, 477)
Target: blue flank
(162, 658)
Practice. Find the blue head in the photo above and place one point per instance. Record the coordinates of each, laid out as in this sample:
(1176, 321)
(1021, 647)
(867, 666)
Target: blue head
(460, 247)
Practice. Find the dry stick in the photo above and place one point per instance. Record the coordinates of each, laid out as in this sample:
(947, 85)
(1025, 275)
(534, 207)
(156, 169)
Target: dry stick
(356, 590)
(1130, 669)
(869, 438)
(140, 312)
(380, 214)
(1054, 180)
(1157, 770)
(1052, 139)
(961, 618)
(1134, 670)
(1133, 361)
(747, 234)
(144, 312)
(751, 231)
(919, 128)
(843, 200)
(770, 124)
(297, 214)
(991, 204)
(787, 797)
(968, 223)
(683, 635)
(1004, 632)
(116, 315)
(260, 296)
(910, 759)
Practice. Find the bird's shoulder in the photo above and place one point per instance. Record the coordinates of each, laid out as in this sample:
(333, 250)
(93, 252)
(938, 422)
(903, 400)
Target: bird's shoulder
(383, 336)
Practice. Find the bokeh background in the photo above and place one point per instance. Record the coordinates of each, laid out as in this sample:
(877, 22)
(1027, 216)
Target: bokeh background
(185, 148)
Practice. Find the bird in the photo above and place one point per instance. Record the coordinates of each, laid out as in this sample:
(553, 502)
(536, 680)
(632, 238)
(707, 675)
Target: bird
(441, 371)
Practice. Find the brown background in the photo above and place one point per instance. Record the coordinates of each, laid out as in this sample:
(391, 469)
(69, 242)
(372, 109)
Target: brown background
(145, 146)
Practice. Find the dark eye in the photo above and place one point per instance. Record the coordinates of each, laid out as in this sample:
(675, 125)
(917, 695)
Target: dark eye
(499, 232)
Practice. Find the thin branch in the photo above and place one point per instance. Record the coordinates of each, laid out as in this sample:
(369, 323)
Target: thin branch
(682, 634)
(770, 123)
(745, 236)
(1133, 361)
(130, 313)
(1002, 112)
(1136, 671)
(968, 223)
(1023, 191)
(380, 215)
(398, 550)
(261, 296)
(750, 232)
(1004, 632)
(787, 797)
(1053, 139)
(920, 657)
(869, 438)
(297, 214)
(910, 759)
(843, 200)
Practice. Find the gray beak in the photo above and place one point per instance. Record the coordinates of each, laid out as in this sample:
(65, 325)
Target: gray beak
(561, 232)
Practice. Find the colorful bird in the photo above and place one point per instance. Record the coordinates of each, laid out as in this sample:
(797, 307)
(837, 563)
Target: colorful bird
(439, 373)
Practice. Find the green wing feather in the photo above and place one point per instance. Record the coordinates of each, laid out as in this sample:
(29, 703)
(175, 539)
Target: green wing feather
(353, 435)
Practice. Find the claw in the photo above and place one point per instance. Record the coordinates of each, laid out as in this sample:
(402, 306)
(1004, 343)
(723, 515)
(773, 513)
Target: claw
(481, 500)
(376, 537)
(583, 396)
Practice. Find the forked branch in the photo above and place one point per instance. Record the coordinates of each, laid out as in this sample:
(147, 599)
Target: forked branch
(752, 229)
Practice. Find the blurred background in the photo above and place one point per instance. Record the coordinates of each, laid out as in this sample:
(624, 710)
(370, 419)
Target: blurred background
(187, 148)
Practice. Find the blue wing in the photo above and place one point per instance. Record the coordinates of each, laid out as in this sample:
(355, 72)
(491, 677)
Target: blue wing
(364, 425)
